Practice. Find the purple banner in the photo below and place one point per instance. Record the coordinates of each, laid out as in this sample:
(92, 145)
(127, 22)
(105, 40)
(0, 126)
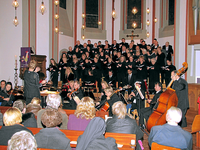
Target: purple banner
(25, 56)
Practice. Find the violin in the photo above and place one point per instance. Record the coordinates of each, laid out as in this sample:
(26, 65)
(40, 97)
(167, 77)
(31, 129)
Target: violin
(69, 94)
(105, 106)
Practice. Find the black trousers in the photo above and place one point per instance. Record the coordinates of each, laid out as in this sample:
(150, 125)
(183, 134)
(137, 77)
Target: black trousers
(183, 122)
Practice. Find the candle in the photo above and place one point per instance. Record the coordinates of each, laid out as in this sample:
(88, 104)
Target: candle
(15, 61)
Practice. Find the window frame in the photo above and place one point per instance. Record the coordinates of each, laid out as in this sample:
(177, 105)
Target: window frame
(123, 25)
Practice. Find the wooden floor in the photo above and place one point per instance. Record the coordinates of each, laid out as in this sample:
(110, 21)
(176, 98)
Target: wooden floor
(190, 117)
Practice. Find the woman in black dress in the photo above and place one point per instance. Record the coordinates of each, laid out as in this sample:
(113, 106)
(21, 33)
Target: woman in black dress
(69, 75)
(53, 68)
(62, 65)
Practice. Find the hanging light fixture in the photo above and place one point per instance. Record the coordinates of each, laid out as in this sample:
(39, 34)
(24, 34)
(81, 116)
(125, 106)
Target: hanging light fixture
(56, 2)
(83, 26)
(99, 23)
(148, 10)
(155, 20)
(148, 22)
(56, 16)
(83, 37)
(134, 10)
(113, 14)
(42, 8)
(148, 34)
(83, 15)
(15, 3)
(56, 29)
(134, 25)
(15, 21)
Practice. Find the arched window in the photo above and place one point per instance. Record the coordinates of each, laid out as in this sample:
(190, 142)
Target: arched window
(128, 18)
(62, 4)
(131, 17)
(91, 13)
(171, 12)
(94, 11)
(167, 11)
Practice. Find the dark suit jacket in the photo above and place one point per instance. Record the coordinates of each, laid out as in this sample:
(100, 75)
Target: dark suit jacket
(169, 52)
(6, 132)
(131, 82)
(155, 98)
(101, 143)
(52, 138)
(169, 135)
(181, 87)
(126, 125)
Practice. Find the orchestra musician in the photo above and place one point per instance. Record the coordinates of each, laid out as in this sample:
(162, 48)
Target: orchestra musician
(137, 97)
(111, 98)
(75, 97)
(6, 97)
(181, 88)
(146, 112)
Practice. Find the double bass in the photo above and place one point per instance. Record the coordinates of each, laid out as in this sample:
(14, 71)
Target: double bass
(167, 99)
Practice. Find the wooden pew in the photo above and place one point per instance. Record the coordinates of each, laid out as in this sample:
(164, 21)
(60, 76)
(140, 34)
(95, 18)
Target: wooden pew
(4, 147)
(155, 146)
(196, 129)
(121, 138)
(68, 111)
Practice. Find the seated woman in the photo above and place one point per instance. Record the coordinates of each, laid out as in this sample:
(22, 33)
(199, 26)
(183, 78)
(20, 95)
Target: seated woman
(85, 111)
(93, 137)
(12, 119)
(36, 101)
(6, 97)
(22, 140)
(28, 119)
(122, 123)
(51, 137)
(53, 102)
(34, 108)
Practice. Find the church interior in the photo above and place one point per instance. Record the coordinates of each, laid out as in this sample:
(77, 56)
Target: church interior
(49, 29)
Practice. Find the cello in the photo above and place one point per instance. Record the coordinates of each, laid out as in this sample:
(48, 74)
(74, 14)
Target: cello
(167, 99)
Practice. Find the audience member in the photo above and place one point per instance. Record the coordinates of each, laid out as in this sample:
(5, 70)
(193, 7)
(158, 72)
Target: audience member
(171, 134)
(51, 137)
(93, 137)
(85, 111)
(33, 108)
(11, 119)
(22, 140)
(28, 119)
(53, 102)
(36, 101)
(122, 123)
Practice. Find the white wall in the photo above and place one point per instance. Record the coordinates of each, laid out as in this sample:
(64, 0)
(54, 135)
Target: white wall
(10, 39)
(42, 31)
(65, 42)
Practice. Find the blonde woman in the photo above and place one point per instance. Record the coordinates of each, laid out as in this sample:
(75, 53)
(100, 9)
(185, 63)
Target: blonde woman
(85, 111)
(122, 123)
(69, 75)
(36, 101)
(12, 119)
